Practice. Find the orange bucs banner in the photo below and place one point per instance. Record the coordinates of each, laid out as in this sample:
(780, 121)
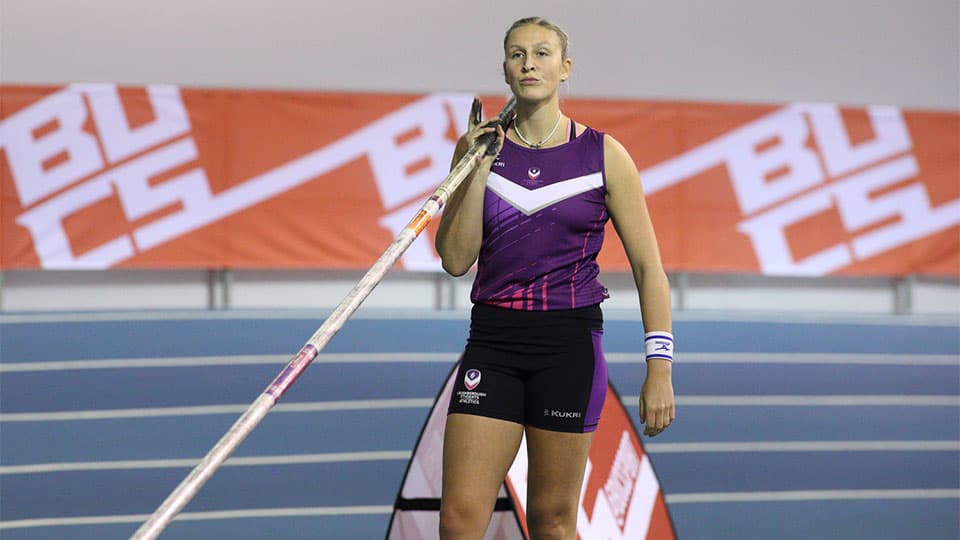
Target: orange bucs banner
(97, 176)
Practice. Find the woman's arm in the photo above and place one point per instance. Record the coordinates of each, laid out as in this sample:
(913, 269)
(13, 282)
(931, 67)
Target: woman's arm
(461, 224)
(628, 210)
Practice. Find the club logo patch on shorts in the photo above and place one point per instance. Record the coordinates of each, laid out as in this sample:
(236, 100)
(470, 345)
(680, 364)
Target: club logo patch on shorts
(533, 173)
(471, 379)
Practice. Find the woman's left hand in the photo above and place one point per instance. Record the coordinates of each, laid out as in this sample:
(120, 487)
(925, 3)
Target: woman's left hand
(657, 408)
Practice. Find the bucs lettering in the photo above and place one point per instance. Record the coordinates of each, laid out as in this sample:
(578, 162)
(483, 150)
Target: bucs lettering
(780, 181)
(49, 153)
(60, 168)
(98, 176)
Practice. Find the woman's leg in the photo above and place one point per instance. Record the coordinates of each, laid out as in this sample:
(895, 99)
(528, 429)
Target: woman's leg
(477, 453)
(554, 478)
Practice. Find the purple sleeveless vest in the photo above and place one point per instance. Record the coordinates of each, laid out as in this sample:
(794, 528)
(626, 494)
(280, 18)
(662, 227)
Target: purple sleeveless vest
(543, 221)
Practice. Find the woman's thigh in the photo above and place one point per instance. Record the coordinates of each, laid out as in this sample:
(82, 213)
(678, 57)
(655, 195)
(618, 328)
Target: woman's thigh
(477, 453)
(556, 463)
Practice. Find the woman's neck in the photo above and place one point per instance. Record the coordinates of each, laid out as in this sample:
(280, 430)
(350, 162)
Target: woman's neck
(537, 126)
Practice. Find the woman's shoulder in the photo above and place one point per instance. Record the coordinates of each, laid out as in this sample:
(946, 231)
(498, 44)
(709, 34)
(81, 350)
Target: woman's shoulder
(582, 129)
(613, 147)
(618, 163)
(589, 133)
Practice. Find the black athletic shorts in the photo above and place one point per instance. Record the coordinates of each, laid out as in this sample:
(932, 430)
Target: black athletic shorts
(540, 368)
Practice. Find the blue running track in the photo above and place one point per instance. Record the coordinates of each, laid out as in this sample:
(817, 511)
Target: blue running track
(794, 429)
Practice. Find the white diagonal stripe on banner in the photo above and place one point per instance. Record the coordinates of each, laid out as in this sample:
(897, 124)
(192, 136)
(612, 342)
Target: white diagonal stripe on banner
(643, 500)
(282, 178)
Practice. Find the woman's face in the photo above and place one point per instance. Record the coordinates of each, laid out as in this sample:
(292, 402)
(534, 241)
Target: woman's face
(534, 64)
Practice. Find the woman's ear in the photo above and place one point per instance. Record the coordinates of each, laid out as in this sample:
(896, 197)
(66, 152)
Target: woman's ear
(567, 69)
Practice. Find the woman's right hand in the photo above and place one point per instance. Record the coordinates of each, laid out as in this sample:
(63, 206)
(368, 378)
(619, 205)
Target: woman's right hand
(490, 126)
(477, 129)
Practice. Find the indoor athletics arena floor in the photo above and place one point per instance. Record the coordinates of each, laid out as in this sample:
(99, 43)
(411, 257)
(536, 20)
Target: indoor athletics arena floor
(795, 429)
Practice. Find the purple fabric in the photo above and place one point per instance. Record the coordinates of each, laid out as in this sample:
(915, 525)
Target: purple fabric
(540, 247)
(599, 392)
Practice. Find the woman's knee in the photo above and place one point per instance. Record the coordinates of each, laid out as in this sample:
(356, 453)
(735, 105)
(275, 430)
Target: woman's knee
(552, 519)
(464, 519)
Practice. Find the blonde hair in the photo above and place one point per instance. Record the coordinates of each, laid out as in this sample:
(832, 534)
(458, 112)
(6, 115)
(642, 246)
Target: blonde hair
(540, 21)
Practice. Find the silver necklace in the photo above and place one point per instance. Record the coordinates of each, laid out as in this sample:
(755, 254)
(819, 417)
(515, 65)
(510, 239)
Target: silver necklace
(516, 129)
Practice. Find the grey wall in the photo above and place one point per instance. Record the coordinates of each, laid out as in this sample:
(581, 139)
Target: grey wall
(900, 52)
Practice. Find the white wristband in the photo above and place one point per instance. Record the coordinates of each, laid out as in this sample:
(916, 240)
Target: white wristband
(659, 346)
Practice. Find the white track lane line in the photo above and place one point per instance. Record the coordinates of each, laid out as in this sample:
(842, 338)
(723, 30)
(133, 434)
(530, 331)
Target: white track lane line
(416, 403)
(202, 410)
(450, 358)
(813, 495)
(803, 446)
(200, 516)
(677, 498)
(391, 455)
(252, 461)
